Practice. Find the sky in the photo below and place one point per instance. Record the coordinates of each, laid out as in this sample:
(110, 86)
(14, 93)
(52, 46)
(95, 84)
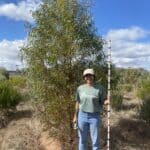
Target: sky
(125, 22)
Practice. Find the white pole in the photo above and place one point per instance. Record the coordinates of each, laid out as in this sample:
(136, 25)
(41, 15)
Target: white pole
(108, 96)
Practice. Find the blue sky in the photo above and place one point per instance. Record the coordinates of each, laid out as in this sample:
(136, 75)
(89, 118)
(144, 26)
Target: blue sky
(124, 22)
(115, 14)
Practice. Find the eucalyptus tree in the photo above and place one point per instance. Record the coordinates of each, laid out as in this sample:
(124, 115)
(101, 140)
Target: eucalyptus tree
(62, 42)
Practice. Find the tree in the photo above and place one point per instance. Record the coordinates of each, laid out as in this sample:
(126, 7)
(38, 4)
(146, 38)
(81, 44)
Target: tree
(61, 44)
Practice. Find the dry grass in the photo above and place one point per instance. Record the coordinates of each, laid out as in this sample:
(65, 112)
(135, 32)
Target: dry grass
(21, 130)
(127, 131)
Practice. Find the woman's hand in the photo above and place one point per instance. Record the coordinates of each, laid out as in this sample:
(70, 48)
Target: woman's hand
(106, 102)
(75, 119)
(75, 124)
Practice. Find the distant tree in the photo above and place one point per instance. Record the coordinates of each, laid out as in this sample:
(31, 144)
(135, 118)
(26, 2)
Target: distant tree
(61, 44)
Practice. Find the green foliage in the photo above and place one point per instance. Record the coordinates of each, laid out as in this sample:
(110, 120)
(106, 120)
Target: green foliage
(61, 44)
(9, 97)
(4, 75)
(144, 91)
(116, 100)
(145, 109)
(131, 78)
(144, 94)
(127, 87)
(18, 81)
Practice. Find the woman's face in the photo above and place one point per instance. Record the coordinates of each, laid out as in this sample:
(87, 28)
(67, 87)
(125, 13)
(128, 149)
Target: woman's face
(89, 78)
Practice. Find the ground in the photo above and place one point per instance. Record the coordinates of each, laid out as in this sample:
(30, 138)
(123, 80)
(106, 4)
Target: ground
(127, 131)
(22, 130)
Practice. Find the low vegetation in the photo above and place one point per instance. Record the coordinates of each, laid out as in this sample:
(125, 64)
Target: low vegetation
(117, 100)
(145, 109)
(18, 81)
(144, 94)
(9, 97)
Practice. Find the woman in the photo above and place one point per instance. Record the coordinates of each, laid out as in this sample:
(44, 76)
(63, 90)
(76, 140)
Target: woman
(89, 100)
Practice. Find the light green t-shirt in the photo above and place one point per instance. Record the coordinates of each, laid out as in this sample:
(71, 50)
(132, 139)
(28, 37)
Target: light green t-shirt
(90, 98)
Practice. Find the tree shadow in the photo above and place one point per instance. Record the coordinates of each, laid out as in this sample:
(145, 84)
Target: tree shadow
(133, 133)
(128, 106)
(20, 114)
(15, 115)
(127, 98)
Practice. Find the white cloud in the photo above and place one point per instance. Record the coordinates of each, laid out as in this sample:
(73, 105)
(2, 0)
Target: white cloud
(10, 54)
(127, 50)
(132, 33)
(20, 11)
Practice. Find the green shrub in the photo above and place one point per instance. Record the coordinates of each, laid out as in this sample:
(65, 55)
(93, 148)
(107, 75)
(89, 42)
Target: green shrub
(9, 97)
(144, 91)
(19, 81)
(145, 109)
(4, 73)
(2, 77)
(116, 100)
(128, 87)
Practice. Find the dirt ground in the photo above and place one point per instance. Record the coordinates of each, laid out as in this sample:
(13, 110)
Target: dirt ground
(22, 130)
(127, 131)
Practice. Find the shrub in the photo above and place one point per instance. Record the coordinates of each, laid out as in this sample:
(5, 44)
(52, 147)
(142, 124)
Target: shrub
(4, 73)
(2, 77)
(19, 81)
(144, 90)
(116, 101)
(128, 87)
(9, 97)
(145, 109)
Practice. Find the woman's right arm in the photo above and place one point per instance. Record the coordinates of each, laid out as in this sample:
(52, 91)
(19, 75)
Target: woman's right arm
(76, 112)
